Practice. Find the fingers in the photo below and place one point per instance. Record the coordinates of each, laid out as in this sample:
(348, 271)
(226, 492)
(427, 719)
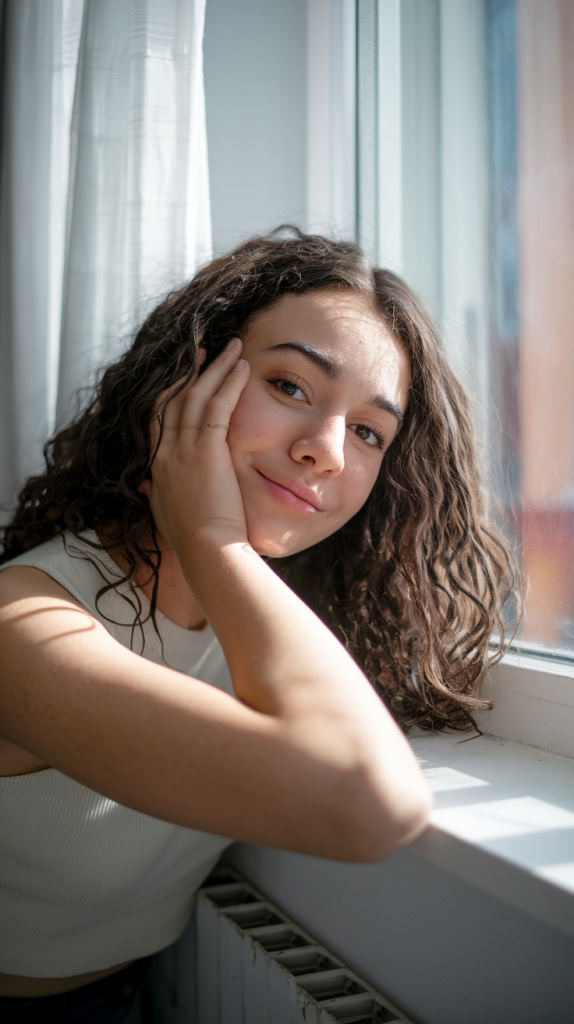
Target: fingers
(197, 397)
(220, 408)
(172, 400)
(180, 408)
(168, 405)
(194, 481)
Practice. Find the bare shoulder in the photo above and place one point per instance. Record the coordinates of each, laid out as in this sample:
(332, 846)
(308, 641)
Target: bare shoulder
(24, 593)
(36, 611)
(19, 582)
(46, 638)
(35, 608)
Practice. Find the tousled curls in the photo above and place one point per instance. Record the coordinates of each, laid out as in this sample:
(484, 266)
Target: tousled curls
(414, 585)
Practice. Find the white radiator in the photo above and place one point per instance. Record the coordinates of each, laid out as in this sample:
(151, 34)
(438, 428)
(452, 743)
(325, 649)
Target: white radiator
(255, 966)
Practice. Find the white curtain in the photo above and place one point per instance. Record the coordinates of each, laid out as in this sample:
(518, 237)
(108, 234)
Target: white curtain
(104, 194)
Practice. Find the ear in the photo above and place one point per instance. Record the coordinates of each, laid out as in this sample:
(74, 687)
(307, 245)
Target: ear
(145, 487)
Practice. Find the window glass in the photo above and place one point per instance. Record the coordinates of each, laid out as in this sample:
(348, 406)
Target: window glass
(466, 187)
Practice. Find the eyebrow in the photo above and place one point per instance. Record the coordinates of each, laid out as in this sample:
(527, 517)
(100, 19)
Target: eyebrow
(384, 403)
(328, 366)
(333, 371)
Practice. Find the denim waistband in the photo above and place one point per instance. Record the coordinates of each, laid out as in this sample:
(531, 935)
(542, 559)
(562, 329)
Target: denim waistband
(107, 1001)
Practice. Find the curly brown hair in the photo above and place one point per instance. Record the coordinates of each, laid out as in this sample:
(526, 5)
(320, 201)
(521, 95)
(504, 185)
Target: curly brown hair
(414, 585)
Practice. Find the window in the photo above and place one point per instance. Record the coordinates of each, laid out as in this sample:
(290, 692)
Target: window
(465, 128)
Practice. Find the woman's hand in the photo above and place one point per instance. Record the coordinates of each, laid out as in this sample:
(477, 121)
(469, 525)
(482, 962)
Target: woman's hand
(194, 486)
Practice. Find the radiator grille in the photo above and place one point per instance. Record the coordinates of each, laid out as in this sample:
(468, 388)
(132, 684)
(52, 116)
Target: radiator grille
(255, 966)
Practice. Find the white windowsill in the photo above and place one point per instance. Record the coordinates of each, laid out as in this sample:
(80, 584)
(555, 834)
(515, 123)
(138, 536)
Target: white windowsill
(503, 821)
(533, 702)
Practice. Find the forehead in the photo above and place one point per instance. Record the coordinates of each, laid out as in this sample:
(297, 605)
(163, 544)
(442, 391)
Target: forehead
(341, 323)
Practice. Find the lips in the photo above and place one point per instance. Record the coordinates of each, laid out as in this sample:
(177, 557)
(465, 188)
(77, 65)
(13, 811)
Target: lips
(303, 498)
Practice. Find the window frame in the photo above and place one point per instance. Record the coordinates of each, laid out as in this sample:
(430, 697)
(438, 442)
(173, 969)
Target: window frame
(532, 687)
(533, 698)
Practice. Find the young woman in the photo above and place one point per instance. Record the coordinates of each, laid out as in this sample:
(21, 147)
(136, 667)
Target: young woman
(271, 504)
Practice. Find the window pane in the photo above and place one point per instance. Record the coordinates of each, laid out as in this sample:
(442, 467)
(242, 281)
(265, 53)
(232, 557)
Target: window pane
(466, 187)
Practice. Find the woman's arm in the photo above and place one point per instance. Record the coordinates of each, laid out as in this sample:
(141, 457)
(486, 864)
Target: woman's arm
(328, 773)
(307, 759)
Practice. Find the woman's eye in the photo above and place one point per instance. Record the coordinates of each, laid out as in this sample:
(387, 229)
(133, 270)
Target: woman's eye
(369, 436)
(287, 387)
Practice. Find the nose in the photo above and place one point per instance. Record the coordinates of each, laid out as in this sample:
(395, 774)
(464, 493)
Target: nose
(323, 446)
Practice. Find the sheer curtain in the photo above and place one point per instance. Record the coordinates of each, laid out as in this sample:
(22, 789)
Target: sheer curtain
(104, 194)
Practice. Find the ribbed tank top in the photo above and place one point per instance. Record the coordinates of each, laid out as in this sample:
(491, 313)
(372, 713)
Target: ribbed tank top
(86, 883)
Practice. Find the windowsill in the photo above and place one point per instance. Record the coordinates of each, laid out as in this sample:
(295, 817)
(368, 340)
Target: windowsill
(503, 821)
(533, 702)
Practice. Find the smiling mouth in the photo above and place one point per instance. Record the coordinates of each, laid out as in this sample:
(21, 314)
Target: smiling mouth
(296, 496)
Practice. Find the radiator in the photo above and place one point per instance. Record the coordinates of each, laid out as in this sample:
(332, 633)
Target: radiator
(255, 966)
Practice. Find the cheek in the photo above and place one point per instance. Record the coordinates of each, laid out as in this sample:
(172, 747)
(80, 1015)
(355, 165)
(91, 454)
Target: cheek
(356, 484)
(257, 422)
(243, 418)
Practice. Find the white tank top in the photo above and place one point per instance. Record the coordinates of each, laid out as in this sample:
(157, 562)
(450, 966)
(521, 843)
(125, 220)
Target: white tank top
(86, 883)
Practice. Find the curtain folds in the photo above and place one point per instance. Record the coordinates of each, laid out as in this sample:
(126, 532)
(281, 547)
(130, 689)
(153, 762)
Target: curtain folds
(104, 201)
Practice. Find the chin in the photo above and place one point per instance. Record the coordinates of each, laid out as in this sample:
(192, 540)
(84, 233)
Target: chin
(273, 549)
(269, 544)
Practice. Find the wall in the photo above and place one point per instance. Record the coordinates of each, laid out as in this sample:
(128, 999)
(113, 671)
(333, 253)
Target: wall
(444, 952)
(255, 84)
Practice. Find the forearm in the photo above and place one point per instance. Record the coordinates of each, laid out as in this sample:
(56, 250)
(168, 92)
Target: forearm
(281, 656)
(285, 662)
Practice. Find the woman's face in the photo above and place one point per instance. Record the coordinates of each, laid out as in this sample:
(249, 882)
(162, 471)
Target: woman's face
(327, 392)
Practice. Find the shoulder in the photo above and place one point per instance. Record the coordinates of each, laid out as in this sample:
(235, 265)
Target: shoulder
(65, 563)
(23, 582)
(42, 571)
(43, 579)
(35, 607)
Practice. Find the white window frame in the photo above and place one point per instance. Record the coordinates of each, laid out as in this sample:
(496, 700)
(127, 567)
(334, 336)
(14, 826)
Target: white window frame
(331, 117)
(533, 698)
(532, 688)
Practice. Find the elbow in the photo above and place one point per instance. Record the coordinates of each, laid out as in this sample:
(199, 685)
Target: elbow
(388, 822)
(402, 827)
